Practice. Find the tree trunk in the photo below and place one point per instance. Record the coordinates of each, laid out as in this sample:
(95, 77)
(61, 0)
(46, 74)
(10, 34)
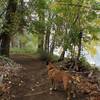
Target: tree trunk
(41, 30)
(79, 45)
(47, 41)
(22, 22)
(52, 46)
(62, 56)
(79, 52)
(48, 32)
(5, 36)
(40, 43)
(5, 44)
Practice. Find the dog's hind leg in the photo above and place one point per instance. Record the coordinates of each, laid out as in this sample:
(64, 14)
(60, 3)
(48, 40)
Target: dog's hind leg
(68, 94)
(67, 89)
(52, 85)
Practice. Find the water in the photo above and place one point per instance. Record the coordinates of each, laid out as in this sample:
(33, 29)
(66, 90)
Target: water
(94, 60)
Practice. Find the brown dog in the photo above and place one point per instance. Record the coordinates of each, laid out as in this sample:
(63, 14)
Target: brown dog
(58, 76)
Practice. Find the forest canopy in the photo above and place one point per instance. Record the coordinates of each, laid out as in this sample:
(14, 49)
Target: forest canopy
(43, 25)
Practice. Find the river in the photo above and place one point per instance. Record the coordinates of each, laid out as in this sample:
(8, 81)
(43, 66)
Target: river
(94, 60)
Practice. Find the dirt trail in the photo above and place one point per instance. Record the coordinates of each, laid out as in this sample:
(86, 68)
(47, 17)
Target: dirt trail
(35, 85)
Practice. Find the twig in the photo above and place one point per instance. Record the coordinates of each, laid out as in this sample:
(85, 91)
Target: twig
(38, 93)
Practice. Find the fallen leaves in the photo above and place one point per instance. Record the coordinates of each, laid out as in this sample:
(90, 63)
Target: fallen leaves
(8, 73)
(86, 80)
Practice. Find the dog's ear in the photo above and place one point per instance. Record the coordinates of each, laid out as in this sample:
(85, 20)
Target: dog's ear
(47, 62)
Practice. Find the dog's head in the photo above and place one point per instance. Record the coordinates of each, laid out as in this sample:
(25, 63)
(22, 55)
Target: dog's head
(49, 65)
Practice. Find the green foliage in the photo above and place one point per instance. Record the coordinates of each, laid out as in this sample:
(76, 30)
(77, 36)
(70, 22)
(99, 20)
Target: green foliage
(96, 5)
(65, 17)
(45, 56)
(39, 26)
(22, 51)
(92, 15)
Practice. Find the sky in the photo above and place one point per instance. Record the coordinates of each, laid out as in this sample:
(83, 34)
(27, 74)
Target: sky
(26, 0)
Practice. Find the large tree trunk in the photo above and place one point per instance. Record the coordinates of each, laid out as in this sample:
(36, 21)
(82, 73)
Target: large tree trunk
(62, 56)
(40, 43)
(22, 22)
(79, 52)
(48, 32)
(52, 46)
(5, 44)
(41, 34)
(47, 41)
(5, 35)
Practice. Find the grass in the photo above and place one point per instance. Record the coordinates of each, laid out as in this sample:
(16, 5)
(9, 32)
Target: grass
(22, 51)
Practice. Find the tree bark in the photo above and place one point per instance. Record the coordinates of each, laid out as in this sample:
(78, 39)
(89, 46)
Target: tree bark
(62, 56)
(52, 45)
(79, 52)
(47, 41)
(41, 30)
(5, 35)
(5, 44)
(40, 43)
(79, 45)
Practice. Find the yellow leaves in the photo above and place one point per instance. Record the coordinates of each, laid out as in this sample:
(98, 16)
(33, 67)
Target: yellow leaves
(97, 22)
(57, 7)
(61, 14)
(54, 5)
(91, 48)
(77, 78)
(98, 0)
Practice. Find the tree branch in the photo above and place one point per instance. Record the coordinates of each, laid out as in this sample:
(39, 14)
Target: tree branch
(1, 14)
